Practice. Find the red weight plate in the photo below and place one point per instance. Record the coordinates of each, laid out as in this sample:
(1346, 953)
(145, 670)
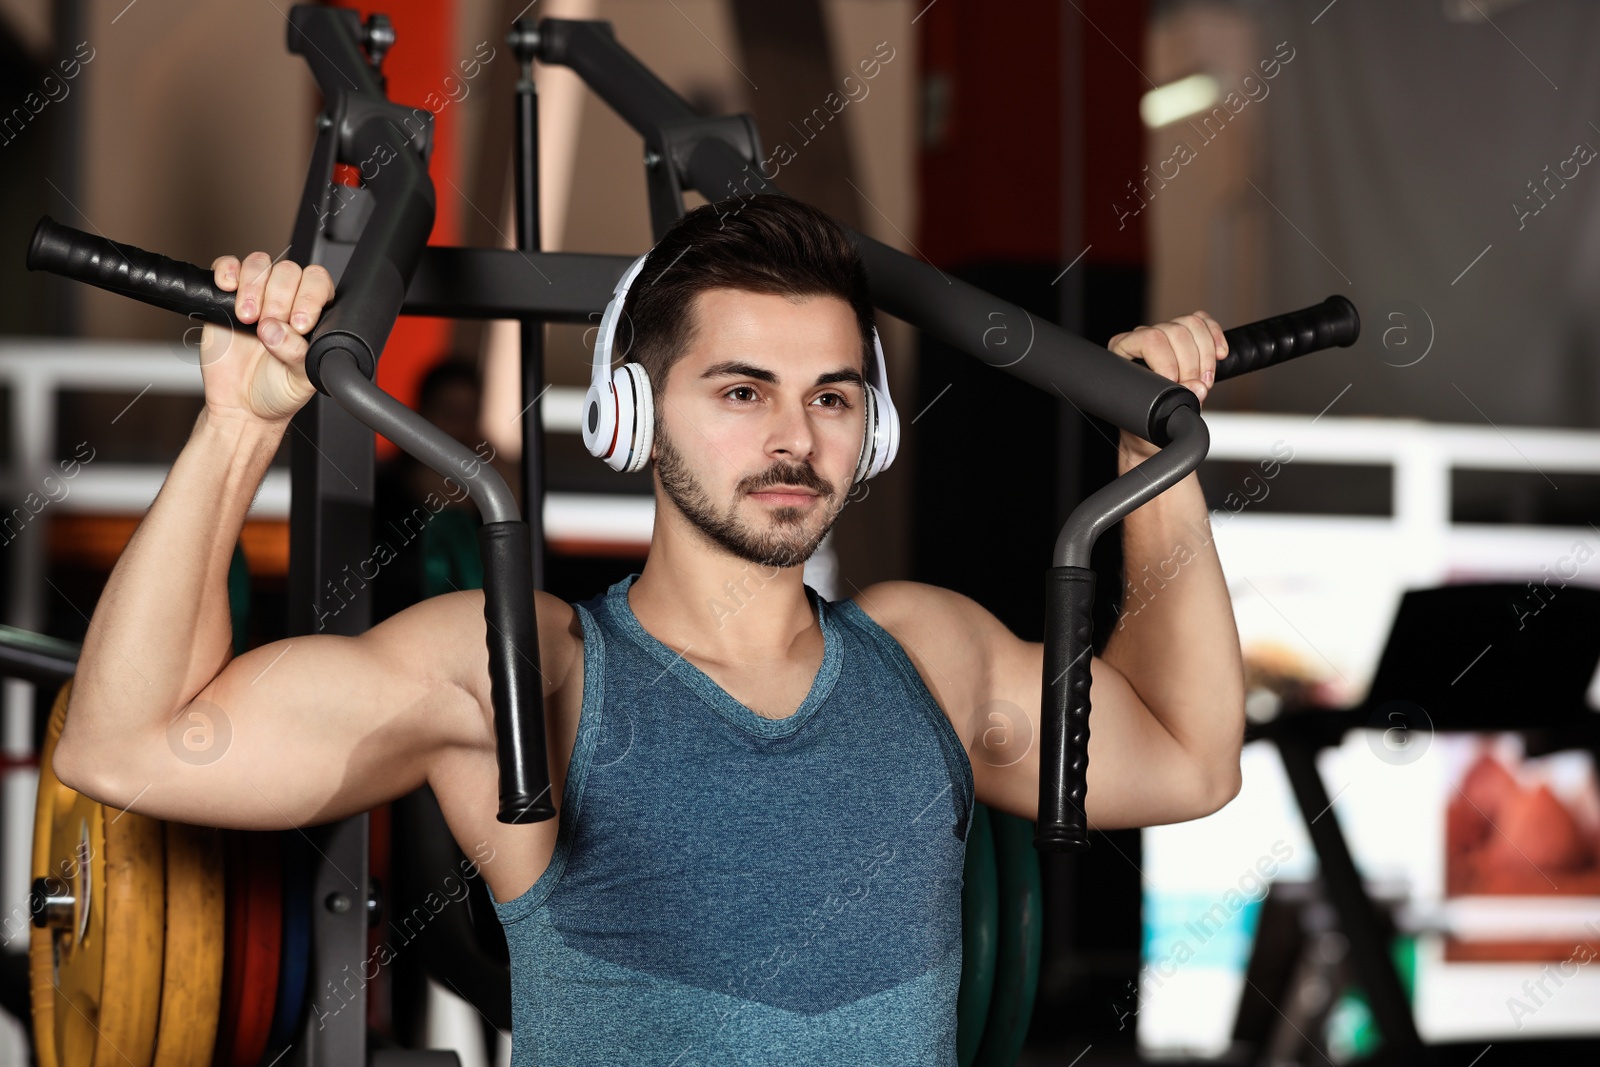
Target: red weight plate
(255, 942)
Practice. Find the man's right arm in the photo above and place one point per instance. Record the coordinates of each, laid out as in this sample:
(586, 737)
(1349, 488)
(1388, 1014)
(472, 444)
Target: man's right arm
(163, 719)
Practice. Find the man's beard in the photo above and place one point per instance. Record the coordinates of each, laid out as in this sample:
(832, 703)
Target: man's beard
(785, 544)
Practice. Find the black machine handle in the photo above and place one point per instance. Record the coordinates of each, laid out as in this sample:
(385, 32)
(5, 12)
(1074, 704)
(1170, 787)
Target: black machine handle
(1332, 323)
(512, 626)
(147, 276)
(514, 689)
(1064, 722)
(1069, 591)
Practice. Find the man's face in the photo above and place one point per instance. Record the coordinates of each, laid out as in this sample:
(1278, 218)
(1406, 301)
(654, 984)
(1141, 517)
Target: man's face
(768, 394)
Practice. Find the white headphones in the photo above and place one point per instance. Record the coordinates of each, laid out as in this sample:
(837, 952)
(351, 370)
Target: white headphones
(619, 416)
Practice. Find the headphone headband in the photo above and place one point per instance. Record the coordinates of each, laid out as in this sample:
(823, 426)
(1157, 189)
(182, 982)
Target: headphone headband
(608, 321)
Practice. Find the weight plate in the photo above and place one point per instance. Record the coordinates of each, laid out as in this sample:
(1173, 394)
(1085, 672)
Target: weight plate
(254, 944)
(1016, 968)
(295, 969)
(979, 918)
(95, 964)
(191, 973)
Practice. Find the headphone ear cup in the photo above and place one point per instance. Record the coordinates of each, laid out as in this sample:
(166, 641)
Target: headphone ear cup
(868, 439)
(599, 419)
(890, 420)
(882, 439)
(637, 415)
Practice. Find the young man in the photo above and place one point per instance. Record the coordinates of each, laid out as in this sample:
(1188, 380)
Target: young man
(763, 795)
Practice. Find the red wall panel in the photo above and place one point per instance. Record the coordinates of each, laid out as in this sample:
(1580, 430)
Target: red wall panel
(995, 102)
(423, 56)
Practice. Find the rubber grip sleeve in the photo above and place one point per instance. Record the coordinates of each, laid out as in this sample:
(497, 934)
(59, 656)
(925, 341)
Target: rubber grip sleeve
(1333, 322)
(512, 634)
(147, 276)
(1064, 718)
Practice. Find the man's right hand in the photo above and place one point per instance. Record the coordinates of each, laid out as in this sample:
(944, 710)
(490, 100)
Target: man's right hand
(261, 376)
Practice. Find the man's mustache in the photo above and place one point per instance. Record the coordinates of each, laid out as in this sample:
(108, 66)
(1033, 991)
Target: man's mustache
(806, 480)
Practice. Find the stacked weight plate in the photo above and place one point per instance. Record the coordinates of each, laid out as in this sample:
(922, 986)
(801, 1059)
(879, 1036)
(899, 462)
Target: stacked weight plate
(1001, 916)
(125, 956)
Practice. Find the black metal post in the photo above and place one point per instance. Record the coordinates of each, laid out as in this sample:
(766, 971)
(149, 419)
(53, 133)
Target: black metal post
(530, 330)
(331, 485)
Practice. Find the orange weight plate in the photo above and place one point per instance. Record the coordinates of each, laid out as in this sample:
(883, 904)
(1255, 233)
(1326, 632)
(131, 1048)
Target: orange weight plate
(191, 977)
(94, 953)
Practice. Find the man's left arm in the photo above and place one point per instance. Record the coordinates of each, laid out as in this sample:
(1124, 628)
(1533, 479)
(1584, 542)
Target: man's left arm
(1167, 694)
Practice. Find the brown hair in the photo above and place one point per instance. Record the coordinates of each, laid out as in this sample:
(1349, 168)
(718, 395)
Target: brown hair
(766, 243)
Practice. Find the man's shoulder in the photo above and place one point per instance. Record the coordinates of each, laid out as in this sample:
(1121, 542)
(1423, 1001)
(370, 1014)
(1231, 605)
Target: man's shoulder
(560, 634)
(456, 620)
(906, 605)
(934, 627)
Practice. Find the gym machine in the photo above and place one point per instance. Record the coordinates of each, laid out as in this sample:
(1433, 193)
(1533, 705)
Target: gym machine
(372, 238)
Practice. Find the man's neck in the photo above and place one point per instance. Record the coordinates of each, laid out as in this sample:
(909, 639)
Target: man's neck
(728, 610)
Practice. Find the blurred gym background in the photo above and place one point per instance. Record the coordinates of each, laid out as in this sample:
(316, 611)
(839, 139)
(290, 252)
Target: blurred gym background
(1104, 164)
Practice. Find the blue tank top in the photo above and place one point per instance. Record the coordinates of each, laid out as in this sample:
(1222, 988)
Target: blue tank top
(728, 888)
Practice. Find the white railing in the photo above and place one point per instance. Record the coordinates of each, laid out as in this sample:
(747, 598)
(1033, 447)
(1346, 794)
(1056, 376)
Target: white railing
(37, 370)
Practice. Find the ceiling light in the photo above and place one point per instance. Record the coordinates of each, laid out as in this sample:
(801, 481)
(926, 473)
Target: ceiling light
(1178, 100)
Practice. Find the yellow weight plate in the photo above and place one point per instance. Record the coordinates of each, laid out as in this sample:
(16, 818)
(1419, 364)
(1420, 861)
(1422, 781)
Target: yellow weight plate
(191, 977)
(95, 964)
(41, 955)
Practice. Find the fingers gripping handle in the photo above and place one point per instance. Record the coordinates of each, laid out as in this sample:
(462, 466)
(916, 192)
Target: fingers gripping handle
(1064, 720)
(514, 672)
(147, 276)
(190, 290)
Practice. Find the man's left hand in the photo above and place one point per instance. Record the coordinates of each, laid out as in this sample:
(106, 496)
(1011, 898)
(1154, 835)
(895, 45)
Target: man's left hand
(1185, 350)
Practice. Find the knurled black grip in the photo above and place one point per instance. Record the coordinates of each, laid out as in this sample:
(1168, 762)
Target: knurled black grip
(1333, 322)
(1261, 344)
(147, 276)
(514, 672)
(1064, 718)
